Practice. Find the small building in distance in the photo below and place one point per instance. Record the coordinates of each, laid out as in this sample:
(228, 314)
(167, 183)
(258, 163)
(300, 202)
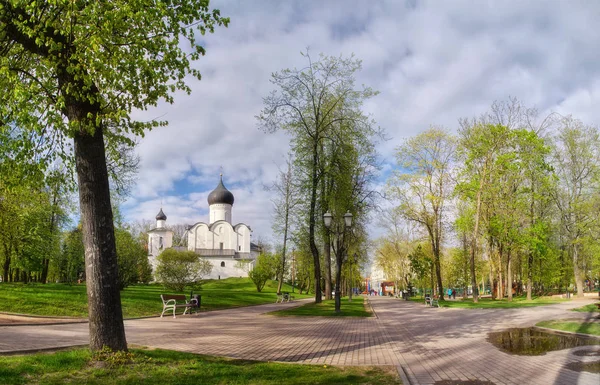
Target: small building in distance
(226, 246)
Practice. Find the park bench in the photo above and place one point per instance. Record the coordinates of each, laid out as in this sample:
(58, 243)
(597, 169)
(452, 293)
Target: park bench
(177, 301)
(433, 302)
(598, 305)
(284, 297)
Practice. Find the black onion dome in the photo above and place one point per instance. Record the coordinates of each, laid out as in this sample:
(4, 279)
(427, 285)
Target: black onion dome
(161, 216)
(220, 195)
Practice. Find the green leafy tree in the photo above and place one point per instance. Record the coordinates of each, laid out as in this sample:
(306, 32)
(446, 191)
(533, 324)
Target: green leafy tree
(309, 104)
(71, 73)
(176, 269)
(264, 269)
(131, 257)
(577, 164)
(423, 184)
(421, 265)
(70, 266)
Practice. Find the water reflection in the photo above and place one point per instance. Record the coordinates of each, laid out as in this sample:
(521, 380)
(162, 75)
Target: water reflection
(533, 342)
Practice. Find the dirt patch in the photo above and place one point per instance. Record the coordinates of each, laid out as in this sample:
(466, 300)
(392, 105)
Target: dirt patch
(10, 319)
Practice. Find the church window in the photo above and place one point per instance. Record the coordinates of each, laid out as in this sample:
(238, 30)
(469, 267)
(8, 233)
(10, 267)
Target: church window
(221, 246)
(160, 243)
(222, 264)
(239, 248)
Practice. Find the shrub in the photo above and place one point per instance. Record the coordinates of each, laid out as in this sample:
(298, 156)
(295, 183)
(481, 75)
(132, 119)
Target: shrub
(176, 269)
(265, 269)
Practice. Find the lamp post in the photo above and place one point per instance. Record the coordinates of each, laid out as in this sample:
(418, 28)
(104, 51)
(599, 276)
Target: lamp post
(339, 248)
(293, 269)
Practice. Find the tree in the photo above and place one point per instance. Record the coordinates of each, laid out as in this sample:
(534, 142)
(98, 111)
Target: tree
(264, 269)
(70, 266)
(423, 184)
(577, 164)
(480, 146)
(421, 265)
(132, 258)
(75, 71)
(304, 104)
(176, 269)
(284, 203)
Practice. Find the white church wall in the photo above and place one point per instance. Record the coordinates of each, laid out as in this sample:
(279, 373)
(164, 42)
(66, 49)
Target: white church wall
(198, 237)
(227, 271)
(243, 239)
(222, 234)
(220, 212)
(158, 240)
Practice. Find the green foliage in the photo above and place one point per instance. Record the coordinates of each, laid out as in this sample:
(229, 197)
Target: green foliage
(70, 266)
(118, 56)
(176, 269)
(420, 263)
(264, 269)
(132, 259)
(332, 144)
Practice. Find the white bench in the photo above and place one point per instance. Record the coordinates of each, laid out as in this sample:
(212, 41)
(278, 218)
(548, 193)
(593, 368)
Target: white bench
(175, 301)
(433, 302)
(284, 297)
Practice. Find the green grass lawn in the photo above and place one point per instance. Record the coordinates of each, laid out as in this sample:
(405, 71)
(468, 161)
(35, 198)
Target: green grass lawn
(356, 308)
(137, 301)
(168, 367)
(573, 326)
(488, 303)
(590, 308)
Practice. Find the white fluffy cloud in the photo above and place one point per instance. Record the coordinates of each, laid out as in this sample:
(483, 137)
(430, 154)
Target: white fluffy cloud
(433, 62)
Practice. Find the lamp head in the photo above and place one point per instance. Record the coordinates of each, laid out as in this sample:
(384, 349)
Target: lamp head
(327, 219)
(348, 219)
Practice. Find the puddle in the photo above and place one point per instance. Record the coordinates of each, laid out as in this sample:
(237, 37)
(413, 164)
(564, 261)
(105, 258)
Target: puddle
(592, 367)
(587, 353)
(533, 342)
(461, 382)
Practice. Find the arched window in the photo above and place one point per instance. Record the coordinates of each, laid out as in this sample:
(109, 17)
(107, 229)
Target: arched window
(222, 264)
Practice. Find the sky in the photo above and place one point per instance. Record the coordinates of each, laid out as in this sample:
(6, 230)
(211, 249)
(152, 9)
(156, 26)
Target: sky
(433, 62)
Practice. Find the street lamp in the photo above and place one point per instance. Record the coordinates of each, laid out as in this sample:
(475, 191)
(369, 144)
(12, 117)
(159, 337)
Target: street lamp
(339, 249)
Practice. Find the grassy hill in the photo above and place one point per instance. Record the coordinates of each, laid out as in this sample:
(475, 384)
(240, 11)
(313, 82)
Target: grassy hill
(137, 301)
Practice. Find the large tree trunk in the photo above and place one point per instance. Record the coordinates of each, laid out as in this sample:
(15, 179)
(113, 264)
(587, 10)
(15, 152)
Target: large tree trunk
(104, 301)
(438, 272)
(6, 266)
(500, 278)
(285, 231)
(577, 272)
(312, 225)
(509, 276)
(46, 261)
(474, 245)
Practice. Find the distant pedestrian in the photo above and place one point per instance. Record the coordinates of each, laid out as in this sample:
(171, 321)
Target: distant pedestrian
(453, 294)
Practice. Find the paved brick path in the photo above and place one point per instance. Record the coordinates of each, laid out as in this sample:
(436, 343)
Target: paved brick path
(426, 344)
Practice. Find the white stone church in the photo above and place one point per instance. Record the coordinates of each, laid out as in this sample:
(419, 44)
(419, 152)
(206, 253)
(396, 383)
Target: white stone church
(226, 246)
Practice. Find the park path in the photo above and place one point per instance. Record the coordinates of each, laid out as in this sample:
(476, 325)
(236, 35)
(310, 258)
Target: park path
(426, 344)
